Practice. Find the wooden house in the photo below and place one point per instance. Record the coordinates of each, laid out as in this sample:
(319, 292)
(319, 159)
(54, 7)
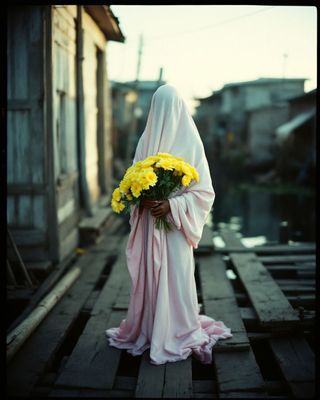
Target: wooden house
(296, 140)
(59, 152)
(244, 115)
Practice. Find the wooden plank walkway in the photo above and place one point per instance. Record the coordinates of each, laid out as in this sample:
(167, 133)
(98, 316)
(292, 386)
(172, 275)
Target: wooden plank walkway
(272, 308)
(68, 355)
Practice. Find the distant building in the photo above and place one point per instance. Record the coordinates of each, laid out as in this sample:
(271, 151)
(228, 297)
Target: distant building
(240, 114)
(145, 91)
(131, 104)
(124, 98)
(296, 139)
(261, 124)
(59, 115)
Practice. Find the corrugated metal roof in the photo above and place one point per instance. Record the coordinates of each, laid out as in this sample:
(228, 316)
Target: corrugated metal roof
(263, 81)
(284, 130)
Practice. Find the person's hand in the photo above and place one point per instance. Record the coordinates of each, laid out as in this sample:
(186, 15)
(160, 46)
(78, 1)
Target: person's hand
(149, 203)
(160, 209)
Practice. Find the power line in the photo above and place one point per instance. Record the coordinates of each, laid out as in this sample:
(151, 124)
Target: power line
(211, 26)
(206, 27)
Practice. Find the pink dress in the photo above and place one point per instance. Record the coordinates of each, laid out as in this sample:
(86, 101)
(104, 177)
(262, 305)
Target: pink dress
(163, 313)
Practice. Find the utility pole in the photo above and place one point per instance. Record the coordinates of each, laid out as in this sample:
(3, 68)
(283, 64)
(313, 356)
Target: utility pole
(139, 58)
(285, 57)
(283, 83)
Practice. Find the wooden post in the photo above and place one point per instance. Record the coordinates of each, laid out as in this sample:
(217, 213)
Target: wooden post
(10, 274)
(283, 232)
(52, 215)
(20, 334)
(85, 197)
(21, 264)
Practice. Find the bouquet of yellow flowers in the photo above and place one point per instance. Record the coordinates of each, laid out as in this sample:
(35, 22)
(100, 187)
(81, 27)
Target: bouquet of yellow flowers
(153, 178)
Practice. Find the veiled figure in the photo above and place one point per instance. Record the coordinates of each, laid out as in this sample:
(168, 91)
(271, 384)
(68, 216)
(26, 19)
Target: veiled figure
(163, 313)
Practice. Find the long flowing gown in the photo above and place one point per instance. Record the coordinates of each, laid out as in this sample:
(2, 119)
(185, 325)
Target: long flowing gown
(163, 313)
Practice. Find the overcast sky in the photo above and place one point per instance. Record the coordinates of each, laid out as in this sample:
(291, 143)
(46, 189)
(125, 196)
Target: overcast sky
(203, 47)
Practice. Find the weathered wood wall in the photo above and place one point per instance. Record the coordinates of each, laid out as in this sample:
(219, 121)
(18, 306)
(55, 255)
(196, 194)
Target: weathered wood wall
(44, 204)
(93, 40)
(26, 138)
(65, 126)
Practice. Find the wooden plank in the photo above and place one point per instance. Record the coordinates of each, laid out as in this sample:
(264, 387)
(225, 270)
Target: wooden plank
(95, 222)
(287, 259)
(213, 278)
(271, 305)
(110, 241)
(178, 379)
(250, 319)
(226, 310)
(43, 289)
(85, 366)
(268, 250)
(204, 386)
(125, 383)
(238, 371)
(220, 302)
(150, 378)
(296, 282)
(89, 393)
(295, 267)
(231, 238)
(297, 363)
(93, 363)
(30, 362)
(306, 274)
(249, 395)
(23, 331)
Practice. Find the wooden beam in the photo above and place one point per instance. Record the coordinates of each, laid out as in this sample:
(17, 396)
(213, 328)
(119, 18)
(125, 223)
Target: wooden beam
(150, 379)
(297, 363)
(24, 370)
(287, 259)
(43, 289)
(81, 371)
(20, 334)
(220, 302)
(238, 371)
(304, 248)
(271, 305)
(178, 379)
(231, 239)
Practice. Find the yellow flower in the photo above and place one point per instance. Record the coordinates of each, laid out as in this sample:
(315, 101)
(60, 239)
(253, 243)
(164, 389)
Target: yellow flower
(136, 188)
(195, 174)
(149, 161)
(186, 180)
(124, 185)
(129, 197)
(164, 155)
(117, 206)
(165, 164)
(116, 195)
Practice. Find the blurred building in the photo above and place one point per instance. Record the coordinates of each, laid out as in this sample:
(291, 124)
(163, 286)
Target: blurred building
(59, 164)
(244, 115)
(131, 103)
(296, 140)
